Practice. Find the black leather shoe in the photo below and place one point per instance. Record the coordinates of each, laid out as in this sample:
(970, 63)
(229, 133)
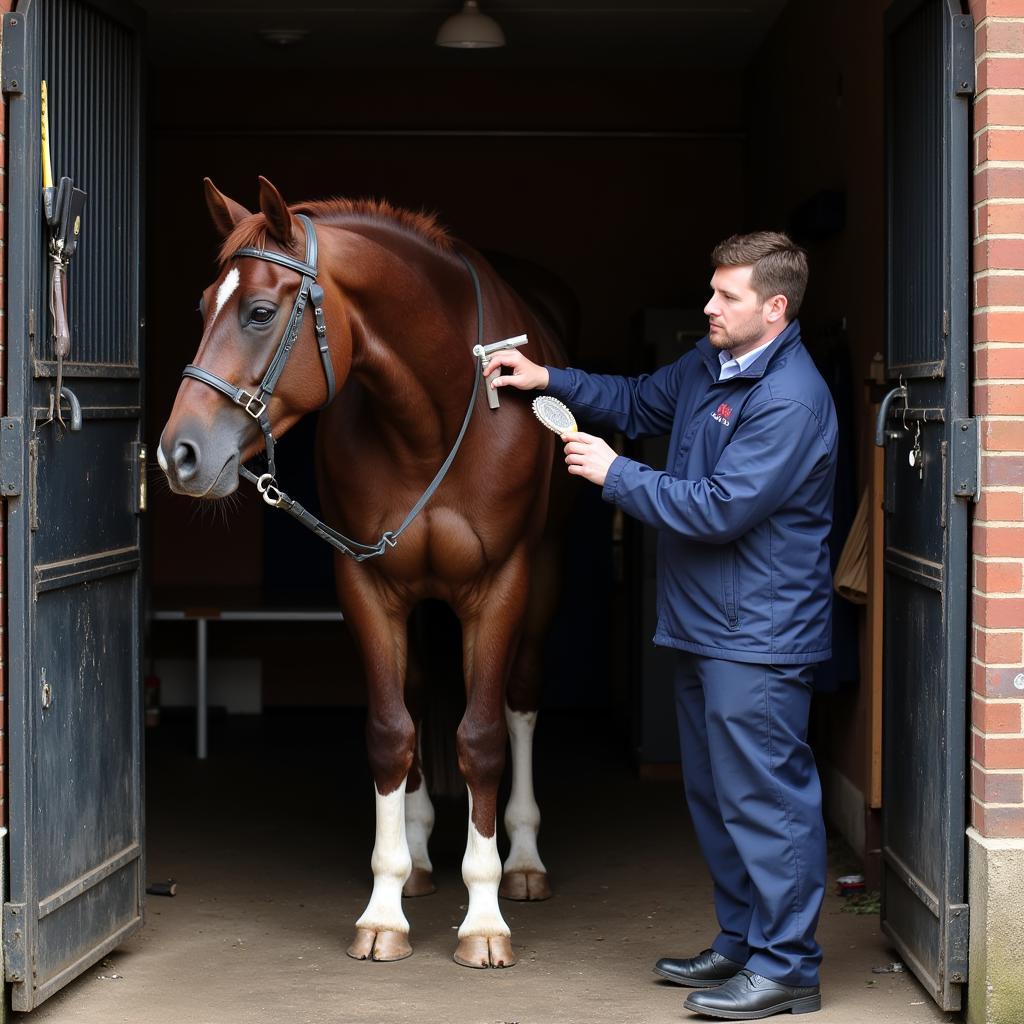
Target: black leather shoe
(748, 996)
(701, 971)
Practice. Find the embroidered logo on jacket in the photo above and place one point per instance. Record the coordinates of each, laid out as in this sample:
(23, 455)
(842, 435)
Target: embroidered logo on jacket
(722, 414)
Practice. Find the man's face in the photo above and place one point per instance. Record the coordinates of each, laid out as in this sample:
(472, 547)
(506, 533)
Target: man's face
(737, 318)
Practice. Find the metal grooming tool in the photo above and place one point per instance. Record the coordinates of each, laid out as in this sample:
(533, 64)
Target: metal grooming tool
(484, 353)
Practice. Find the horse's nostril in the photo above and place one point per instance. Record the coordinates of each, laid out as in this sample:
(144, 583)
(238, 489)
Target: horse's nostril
(186, 459)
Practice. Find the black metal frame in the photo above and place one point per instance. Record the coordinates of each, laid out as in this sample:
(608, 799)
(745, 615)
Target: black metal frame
(926, 757)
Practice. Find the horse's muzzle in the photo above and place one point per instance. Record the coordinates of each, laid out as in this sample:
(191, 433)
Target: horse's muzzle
(190, 470)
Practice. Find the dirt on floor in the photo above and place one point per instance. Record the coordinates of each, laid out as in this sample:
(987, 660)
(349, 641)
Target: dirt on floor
(269, 842)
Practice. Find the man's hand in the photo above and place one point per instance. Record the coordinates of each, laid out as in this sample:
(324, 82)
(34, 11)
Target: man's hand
(588, 456)
(525, 375)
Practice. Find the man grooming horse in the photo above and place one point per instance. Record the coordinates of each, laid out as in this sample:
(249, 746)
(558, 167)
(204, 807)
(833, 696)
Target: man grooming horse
(743, 511)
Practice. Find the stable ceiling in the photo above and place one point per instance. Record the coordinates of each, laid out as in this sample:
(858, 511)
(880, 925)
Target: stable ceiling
(717, 34)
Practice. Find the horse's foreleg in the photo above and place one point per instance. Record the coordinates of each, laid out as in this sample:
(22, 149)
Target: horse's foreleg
(489, 639)
(382, 932)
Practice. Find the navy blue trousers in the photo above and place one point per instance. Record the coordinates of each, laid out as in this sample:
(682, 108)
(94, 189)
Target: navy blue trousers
(755, 799)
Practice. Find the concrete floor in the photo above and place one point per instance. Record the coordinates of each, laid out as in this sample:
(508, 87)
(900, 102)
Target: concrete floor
(270, 841)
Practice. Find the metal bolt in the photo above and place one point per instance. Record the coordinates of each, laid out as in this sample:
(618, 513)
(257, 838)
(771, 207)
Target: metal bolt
(14, 83)
(963, 426)
(1018, 681)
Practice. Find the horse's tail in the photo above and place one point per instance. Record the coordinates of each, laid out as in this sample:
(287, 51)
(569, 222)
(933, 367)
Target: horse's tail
(435, 642)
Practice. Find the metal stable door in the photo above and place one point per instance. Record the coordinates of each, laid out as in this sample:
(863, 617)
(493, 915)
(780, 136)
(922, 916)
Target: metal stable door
(930, 479)
(74, 494)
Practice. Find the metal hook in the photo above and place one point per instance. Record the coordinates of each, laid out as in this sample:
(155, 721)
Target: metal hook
(906, 402)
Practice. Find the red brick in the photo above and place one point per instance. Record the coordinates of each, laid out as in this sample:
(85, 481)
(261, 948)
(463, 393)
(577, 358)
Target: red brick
(997, 682)
(997, 648)
(999, 541)
(998, 822)
(998, 144)
(998, 183)
(1000, 73)
(993, 752)
(1004, 219)
(999, 363)
(1000, 37)
(999, 399)
(996, 9)
(1002, 435)
(998, 612)
(999, 254)
(1002, 471)
(999, 507)
(999, 327)
(999, 289)
(997, 788)
(998, 577)
(993, 718)
(1000, 108)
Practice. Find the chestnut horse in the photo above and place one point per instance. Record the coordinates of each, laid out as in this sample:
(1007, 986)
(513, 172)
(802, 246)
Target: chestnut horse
(398, 307)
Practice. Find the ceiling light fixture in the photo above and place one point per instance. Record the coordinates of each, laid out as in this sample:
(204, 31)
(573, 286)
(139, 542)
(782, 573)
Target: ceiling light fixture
(470, 29)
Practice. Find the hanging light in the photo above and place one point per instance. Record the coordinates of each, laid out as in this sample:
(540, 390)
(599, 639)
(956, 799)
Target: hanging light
(470, 29)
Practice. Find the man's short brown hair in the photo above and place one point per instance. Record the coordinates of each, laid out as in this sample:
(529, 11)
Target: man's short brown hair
(779, 265)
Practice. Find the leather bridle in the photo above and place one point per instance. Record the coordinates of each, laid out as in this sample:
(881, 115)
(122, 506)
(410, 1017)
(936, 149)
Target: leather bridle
(255, 402)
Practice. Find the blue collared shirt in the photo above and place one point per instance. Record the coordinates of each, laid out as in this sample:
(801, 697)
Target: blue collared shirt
(731, 367)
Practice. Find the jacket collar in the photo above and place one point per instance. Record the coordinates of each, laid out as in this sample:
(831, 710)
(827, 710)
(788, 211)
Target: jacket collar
(789, 337)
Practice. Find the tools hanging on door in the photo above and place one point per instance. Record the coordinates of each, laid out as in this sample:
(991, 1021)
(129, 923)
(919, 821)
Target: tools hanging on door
(62, 207)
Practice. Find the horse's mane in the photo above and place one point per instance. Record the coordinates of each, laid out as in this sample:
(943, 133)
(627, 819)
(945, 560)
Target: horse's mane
(253, 230)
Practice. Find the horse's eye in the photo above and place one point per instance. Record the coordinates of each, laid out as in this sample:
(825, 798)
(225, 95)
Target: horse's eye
(261, 315)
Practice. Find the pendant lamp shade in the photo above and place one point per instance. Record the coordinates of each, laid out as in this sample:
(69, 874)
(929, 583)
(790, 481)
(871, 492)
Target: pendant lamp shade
(470, 29)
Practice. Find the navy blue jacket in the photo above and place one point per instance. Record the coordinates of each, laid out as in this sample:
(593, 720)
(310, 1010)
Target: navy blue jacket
(743, 508)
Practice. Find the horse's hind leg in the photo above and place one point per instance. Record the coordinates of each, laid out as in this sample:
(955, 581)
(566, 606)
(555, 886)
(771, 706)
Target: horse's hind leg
(524, 876)
(419, 823)
(382, 932)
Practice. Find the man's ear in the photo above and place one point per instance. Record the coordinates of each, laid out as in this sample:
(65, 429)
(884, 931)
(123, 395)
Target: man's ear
(275, 209)
(226, 213)
(777, 306)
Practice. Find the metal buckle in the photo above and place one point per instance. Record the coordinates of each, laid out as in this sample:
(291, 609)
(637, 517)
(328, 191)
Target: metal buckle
(267, 486)
(248, 404)
(389, 539)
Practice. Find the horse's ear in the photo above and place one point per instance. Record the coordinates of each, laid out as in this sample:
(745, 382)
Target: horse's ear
(226, 213)
(275, 209)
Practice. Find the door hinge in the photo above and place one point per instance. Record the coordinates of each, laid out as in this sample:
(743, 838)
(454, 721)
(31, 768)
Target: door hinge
(958, 926)
(12, 456)
(14, 53)
(966, 461)
(139, 474)
(963, 55)
(15, 958)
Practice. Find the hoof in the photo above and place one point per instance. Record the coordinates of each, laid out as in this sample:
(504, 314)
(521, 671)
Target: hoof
(371, 945)
(481, 951)
(420, 883)
(525, 885)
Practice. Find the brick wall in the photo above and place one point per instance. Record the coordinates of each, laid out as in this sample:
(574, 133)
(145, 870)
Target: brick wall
(997, 727)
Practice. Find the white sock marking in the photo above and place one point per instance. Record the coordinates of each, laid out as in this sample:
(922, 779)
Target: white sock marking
(481, 871)
(522, 815)
(391, 866)
(224, 292)
(419, 823)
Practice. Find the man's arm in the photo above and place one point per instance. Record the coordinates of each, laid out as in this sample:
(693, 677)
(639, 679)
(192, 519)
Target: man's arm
(638, 406)
(770, 456)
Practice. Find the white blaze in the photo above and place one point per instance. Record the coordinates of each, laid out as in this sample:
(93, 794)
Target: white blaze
(522, 815)
(226, 290)
(391, 866)
(481, 871)
(161, 459)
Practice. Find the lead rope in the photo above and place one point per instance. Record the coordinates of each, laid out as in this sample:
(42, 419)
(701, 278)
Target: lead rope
(357, 550)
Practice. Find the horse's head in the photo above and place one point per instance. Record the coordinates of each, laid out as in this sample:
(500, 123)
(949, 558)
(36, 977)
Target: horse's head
(263, 360)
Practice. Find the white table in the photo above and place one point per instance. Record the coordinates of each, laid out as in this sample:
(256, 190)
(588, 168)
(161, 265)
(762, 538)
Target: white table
(203, 616)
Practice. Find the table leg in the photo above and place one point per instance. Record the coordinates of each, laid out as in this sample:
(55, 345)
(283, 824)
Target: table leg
(201, 689)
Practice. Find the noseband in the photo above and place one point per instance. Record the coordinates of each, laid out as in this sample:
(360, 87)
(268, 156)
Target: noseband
(255, 402)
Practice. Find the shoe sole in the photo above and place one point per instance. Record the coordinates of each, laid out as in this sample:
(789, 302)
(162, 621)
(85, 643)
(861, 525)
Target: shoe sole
(806, 1004)
(694, 983)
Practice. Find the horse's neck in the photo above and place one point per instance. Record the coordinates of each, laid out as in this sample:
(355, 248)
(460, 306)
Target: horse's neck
(411, 319)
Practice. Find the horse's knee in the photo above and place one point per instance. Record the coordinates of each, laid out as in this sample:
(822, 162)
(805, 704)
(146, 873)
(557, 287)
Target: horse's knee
(391, 746)
(481, 749)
